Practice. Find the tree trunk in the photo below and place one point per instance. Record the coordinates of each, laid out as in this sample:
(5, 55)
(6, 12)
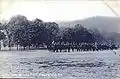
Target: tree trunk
(0, 45)
(8, 37)
(9, 45)
(17, 46)
(24, 47)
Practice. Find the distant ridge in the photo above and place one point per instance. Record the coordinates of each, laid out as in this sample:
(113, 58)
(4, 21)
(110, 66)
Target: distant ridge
(102, 23)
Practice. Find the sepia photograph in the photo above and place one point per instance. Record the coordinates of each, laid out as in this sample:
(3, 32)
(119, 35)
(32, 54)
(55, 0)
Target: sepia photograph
(60, 39)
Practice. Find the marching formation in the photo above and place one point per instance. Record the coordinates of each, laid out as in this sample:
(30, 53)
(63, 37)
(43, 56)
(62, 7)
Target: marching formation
(67, 47)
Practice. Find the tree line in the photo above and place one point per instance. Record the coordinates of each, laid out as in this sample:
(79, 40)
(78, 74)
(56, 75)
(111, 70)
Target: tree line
(22, 33)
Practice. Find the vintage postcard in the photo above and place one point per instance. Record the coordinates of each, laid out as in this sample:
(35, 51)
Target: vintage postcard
(60, 39)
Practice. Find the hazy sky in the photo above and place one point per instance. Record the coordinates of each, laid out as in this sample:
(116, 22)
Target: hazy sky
(55, 10)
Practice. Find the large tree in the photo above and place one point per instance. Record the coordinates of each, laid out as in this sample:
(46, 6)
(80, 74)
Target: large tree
(52, 30)
(14, 23)
(32, 34)
(81, 34)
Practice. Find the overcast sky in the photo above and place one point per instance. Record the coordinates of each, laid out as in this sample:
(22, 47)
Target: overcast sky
(55, 10)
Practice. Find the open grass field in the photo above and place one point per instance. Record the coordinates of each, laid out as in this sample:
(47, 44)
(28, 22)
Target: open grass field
(65, 65)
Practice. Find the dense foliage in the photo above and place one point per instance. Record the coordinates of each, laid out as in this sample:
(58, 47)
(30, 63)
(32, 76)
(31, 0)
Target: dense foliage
(22, 32)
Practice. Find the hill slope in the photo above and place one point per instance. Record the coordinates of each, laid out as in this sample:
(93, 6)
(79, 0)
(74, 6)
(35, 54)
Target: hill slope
(109, 24)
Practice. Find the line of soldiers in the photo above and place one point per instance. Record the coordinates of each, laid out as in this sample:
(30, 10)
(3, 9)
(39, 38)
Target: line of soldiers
(67, 47)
